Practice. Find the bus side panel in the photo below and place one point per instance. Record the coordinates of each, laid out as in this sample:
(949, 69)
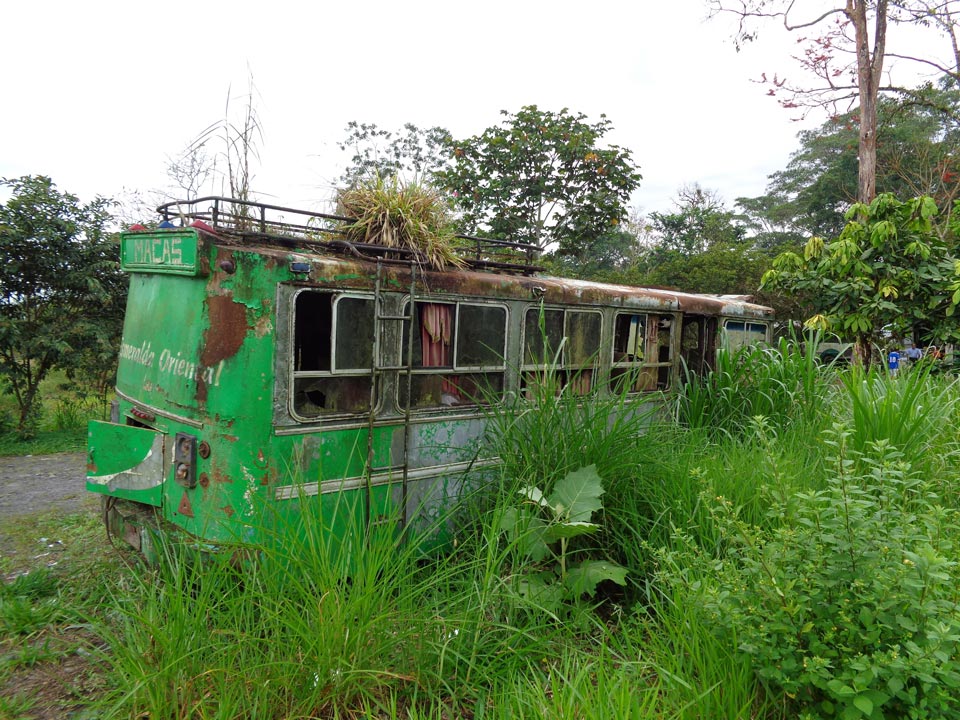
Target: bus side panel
(231, 387)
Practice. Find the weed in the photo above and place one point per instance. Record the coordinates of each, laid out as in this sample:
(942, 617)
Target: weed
(781, 384)
(541, 529)
(16, 707)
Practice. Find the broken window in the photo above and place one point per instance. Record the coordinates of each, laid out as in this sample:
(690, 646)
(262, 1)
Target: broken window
(642, 355)
(457, 354)
(333, 340)
(565, 341)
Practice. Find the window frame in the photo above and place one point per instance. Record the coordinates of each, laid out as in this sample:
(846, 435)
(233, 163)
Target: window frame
(296, 375)
(747, 325)
(565, 363)
(645, 364)
(454, 367)
(614, 363)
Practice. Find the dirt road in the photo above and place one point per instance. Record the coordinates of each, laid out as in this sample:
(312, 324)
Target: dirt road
(37, 483)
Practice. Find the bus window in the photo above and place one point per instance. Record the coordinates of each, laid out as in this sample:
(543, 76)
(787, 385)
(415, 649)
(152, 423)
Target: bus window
(458, 351)
(740, 333)
(544, 331)
(333, 353)
(641, 352)
(698, 343)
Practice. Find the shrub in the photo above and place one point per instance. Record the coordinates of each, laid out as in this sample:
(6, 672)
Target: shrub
(850, 610)
(396, 215)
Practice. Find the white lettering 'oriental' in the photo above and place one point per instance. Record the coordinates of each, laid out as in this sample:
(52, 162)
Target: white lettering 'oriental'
(177, 366)
(170, 364)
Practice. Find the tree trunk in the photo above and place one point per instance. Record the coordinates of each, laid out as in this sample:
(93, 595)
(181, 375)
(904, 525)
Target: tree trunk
(863, 351)
(24, 421)
(869, 71)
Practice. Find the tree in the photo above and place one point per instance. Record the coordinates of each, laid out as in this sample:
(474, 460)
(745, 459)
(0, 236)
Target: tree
(701, 222)
(59, 280)
(604, 258)
(701, 247)
(415, 152)
(918, 153)
(848, 59)
(542, 178)
(887, 269)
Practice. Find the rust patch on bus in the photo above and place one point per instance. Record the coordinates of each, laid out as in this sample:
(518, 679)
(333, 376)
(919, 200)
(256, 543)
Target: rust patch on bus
(228, 328)
(220, 476)
(185, 508)
(225, 336)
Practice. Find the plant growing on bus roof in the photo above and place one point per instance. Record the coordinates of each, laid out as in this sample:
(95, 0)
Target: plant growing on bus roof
(394, 214)
(541, 528)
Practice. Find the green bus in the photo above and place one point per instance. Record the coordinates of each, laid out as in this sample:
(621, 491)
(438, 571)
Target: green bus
(267, 364)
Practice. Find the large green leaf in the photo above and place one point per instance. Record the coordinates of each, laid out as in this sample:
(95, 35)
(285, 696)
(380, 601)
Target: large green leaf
(527, 531)
(583, 578)
(540, 589)
(577, 496)
(559, 530)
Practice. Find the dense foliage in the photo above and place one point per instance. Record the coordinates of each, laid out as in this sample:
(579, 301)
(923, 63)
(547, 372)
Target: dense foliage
(887, 269)
(61, 292)
(775, 565)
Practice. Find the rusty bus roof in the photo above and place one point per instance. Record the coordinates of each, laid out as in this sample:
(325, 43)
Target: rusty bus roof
(496, 268)
(327, 268)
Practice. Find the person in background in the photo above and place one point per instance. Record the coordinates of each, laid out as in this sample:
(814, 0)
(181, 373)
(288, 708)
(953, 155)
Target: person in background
(914, 353)
(893, 361)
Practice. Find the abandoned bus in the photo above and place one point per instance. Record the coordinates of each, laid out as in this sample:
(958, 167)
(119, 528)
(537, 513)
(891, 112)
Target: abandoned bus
(265, 362)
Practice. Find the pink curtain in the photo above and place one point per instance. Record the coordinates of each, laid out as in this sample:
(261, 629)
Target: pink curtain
(436, 329)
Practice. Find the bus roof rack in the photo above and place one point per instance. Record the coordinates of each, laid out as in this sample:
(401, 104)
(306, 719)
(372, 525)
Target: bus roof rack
(259, 222)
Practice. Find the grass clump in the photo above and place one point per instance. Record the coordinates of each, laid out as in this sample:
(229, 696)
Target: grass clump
(909, 411)
(782, 384)
(409, 216)
(290, 634)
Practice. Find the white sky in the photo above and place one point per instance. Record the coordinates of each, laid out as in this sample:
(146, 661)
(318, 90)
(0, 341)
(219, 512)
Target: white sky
(98, 94)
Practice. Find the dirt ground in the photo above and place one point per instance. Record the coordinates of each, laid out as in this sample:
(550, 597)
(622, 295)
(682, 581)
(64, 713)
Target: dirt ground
(37, 484)
(32, 488)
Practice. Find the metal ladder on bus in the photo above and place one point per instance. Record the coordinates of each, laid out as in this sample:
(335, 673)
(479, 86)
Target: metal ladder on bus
(376, 371)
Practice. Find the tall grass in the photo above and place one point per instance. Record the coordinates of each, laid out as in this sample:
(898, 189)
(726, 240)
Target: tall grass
(782, 384)
(911, 411)
(308, 628)
(363, 625)
(549, 431)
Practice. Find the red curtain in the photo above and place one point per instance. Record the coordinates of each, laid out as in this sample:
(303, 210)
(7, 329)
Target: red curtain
(436, 332)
